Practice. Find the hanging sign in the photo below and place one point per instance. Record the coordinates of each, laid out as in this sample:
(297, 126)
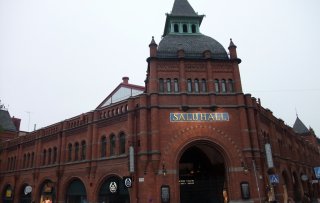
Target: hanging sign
(131, 159)
(165, 194)
(269, 155)
(8, 193)
(198, 117)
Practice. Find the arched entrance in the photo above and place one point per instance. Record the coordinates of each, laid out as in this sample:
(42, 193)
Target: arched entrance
(47, 192)
(76, 192)
(113, 190)
(25, 194)
(297, 188)
(7, 195)
(202, 175)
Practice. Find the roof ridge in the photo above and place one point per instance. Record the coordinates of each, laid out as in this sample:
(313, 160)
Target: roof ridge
(182, 8)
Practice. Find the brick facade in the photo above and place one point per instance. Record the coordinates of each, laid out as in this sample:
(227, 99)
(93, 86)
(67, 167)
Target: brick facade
(178, 114)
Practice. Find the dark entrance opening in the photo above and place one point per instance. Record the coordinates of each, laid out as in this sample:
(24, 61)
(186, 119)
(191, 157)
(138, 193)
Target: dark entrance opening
(7, 195)
(113, 191)
(25, 194)
(47, 192)
(76, 192)
(202, 175)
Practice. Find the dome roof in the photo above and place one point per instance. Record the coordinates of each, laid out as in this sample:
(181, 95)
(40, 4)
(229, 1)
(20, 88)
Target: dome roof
(193, 45)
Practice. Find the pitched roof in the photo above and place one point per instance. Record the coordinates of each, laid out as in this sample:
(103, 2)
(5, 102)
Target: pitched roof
(299, 127)
(122, 92)
(182, 8)
(6, 122)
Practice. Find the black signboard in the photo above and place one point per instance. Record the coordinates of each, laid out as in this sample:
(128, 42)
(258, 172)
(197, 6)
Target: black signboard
(165, 194)
(245, 191)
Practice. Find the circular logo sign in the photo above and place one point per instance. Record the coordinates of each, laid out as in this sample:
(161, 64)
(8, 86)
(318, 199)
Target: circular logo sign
(113, 187)
(128, 182)
(304, 177)
(27, 189)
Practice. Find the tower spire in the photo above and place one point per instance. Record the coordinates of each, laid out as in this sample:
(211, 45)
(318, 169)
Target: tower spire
(182, 11)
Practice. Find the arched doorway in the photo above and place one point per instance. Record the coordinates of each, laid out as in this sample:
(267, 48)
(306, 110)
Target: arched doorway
(7, 195)
(202, 175)
(113, 190)
(25, 194)
(47, 192)
(297, 188)
(76, 192)
(286, 186)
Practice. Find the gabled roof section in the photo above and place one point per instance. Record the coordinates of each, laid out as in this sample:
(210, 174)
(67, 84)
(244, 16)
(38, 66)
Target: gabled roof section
(182, 8)
(6, 122)
(299, 127)
(122, 92)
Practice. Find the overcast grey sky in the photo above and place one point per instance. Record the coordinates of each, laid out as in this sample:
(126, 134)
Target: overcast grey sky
(61, 58)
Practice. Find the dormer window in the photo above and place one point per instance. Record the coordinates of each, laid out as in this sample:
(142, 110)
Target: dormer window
(176, 28)
(185, 28)
(193, 28)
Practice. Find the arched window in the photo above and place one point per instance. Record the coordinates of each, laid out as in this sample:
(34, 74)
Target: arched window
(24, 160)
(76, 151)
(112, 144)
(223, 85)
(176, 28)
(168, 85)
(55, 152)
(204, 85)
(231, 85)
(70, 152)
(185, 28)
(14, 162)
(49, 156)
(122, 143)
(161, 85)
(32, 159)
(103, 146)
(176, 85)
(44, 157)
(28, 161)
(216, 85)
(8, 164)
(194, 28)
(189, 85)
(196, 85)
(83, 150)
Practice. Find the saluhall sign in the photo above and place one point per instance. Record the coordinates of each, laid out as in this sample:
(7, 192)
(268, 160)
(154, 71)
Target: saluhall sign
(198, 117)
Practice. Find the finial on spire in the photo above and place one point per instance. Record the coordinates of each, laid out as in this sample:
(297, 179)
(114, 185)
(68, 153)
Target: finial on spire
(153, 42)
(153, 48)
(232, 44)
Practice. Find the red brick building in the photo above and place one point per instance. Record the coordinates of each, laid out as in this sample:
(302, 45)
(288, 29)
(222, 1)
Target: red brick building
(189, 135)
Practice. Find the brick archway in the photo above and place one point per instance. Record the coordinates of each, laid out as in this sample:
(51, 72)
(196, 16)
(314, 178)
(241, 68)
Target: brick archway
(195, 133)
(205, 134)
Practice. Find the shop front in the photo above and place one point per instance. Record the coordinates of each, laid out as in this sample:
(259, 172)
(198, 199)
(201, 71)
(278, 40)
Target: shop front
(113, 190)
(47, 192)
(7, 195)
